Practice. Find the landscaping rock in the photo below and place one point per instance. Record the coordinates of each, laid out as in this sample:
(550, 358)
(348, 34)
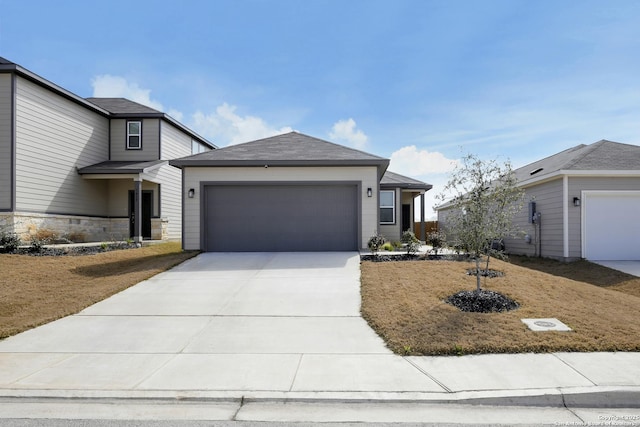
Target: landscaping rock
(482, 301)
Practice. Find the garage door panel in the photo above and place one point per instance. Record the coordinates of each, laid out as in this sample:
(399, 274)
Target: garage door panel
(281, 218)
(612, 226)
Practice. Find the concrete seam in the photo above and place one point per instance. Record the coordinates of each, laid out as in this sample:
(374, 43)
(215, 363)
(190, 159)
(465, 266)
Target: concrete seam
(564, 403)
(235, 415)
(431, 377)
(574, 369)
(295, 375)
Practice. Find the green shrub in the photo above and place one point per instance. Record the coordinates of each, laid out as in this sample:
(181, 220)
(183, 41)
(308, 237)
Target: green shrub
(9, 242)
(436, 239)
(388, 246)
(375, 243)
(411, 242)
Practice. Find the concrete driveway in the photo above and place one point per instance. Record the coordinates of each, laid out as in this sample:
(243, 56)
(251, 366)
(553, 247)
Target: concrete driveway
(252, 321)
(629, 267)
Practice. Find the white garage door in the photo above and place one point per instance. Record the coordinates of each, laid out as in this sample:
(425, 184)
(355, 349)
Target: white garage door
(611, 226)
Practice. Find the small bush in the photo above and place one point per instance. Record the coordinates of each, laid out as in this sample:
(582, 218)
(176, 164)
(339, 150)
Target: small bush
(388, 246)
(436, 239)
(9, 242)
(411, 242)
(375, 243)
(45, 236)
(37, 246)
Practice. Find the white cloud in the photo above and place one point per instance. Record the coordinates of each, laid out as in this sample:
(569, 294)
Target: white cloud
(108, 86)
(411, 161)
(226, 127)
(429, 166)
(345, 131)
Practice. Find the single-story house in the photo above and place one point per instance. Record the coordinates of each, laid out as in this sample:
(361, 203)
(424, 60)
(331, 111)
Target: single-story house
(88, 169)
(581, 203)
(292, 192)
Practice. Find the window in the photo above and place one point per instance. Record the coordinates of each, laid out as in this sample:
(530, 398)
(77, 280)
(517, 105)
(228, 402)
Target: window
(134, 135)
(387, 207)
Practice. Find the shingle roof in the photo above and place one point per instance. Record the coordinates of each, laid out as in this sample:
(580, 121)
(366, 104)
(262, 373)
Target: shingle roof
(600, 156)
(392, 179)
(288, 149)
(114, 167)
(123, 106)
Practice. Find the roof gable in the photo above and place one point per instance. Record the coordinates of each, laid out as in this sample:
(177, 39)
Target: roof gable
(288, 148)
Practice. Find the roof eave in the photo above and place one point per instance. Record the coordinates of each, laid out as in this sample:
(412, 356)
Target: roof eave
(41, 81)
(180, 163)
(579, 173)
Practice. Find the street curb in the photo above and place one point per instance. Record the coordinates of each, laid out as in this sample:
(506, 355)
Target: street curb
(603, 397)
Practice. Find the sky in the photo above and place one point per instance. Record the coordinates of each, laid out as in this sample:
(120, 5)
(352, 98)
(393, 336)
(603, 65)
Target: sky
(420, 82)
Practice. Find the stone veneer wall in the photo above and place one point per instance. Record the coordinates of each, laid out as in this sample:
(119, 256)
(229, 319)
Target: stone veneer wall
(78, 229)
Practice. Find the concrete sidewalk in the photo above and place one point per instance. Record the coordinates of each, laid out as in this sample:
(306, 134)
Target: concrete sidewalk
(265, 327)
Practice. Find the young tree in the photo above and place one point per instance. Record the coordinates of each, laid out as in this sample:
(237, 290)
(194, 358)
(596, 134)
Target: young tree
(485, 200)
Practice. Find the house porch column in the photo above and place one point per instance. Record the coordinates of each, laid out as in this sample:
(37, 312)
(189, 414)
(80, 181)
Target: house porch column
(137, 210)
(423, 235)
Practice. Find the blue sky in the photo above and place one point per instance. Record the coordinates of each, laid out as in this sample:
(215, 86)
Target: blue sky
(420, 82)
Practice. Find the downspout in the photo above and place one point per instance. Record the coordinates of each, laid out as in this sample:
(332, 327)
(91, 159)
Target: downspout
(565, 216)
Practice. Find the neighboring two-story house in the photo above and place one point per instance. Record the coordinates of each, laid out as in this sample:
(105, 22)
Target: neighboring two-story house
(93, 169)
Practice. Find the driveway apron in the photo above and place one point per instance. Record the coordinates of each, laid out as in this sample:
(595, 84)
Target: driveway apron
(244, 321)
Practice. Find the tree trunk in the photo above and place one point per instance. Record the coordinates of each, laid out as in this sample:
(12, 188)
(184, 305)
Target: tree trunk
(478, 288)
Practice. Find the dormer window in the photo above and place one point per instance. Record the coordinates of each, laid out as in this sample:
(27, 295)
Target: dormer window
(134, 135)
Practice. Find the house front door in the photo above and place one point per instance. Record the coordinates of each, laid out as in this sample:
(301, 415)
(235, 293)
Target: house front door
(406, 218)
(147, 209)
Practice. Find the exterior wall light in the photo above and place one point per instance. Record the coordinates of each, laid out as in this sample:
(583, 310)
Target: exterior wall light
(191, 193)
(576, 201)
(369, 192)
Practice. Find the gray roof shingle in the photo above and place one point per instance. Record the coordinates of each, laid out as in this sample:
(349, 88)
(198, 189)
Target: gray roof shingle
(119, 167)
(600, 156)
(123, 106)
(287, 149)
(392, 179)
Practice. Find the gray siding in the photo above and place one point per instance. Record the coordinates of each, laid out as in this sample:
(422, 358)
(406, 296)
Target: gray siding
(6, 170)
(548, 198)
(54, 136)
(150, 141)
(174, 144)
(579, 184)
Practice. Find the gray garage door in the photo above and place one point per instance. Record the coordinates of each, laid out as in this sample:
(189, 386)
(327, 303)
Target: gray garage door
(281, 218)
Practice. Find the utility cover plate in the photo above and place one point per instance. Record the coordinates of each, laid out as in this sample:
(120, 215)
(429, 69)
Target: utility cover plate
(541, 325)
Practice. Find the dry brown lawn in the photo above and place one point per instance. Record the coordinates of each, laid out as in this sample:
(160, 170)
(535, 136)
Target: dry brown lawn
(38, 289)
(403, 302)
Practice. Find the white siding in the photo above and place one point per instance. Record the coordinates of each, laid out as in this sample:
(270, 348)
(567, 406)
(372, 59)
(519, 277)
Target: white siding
(194, 176)
(174, 144)
(150, 141)
(5, 141)
(54, 136)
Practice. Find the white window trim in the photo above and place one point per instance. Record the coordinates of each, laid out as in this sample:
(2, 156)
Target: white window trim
(139, 135)
(393, 206)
